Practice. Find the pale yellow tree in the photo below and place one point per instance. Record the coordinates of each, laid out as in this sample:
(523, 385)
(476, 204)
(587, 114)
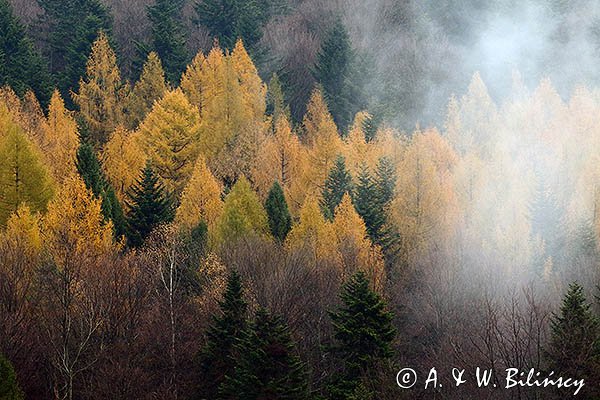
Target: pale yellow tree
(23, 231)
(26, 113)
(314, 234)
(479, 119)
(122, 160)
(425, 208)
(101, 93)
(201, 199)
(356, 250)
(356, 149)
(169, 137)
(60, 139)
(149, 88)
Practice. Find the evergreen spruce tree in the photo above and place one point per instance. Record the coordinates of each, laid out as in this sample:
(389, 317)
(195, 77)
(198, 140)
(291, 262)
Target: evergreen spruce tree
(73, 26)
(148, 205)
(338, 182)
(168, 37)
(367, 203)
(9, 388)
(334, 71)
(574, 348)
(90, 171)
(364, 333)
(215, 359)
(280, 221)
(22, 68)
(387, 235)
(267, 364)
(385, 180)
(370, 126)
(230, 20)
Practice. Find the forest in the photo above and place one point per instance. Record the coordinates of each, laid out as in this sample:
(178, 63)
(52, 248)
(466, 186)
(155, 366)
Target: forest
(270, 199)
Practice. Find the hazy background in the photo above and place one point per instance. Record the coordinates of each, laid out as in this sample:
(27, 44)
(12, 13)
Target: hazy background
(412, 55)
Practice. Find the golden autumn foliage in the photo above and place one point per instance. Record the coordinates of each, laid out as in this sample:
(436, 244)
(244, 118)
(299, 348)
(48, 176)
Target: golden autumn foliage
(200, 200)
(425, 205)
(100, 97)
(195, 78)
(322, 140)
(356, 149)
(232, 105)
(26, 113)
(355, 248)
(60, 139)
(281, 158)
(149, 88)
(314, 234)
(23, 230)
(169, 137)
(122, 160)
(74, 224)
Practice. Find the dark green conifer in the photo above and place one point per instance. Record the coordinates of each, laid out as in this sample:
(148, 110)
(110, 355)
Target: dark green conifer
(574, 348)
(21, 67)
(230, 20)
(280, 220)
(91, 172)
(364, 334)
(215, 360)
(335, 71)
(73, 26)
(337, 184)
(168, 37)
(149, 206)
(385, 180)
(367, 203)
(268, 366)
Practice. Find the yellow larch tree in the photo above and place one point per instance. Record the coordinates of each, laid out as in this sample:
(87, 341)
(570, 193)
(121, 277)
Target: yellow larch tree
(149, 88)
(314, 234)
(425, 208)
(390, 144)
(356, 149)
(281, 159)
(60, 139)
(356, 250)
(322, 139)
(74, 224)
(169, 137)
(479, 119)
(195, 77)
(26, 113)
(23, 231)
(232, 108)
(122, 160)
(201, 199)
(253, 90)
(101, 93)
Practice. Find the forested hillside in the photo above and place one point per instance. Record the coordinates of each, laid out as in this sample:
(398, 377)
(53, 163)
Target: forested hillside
(291, 200)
